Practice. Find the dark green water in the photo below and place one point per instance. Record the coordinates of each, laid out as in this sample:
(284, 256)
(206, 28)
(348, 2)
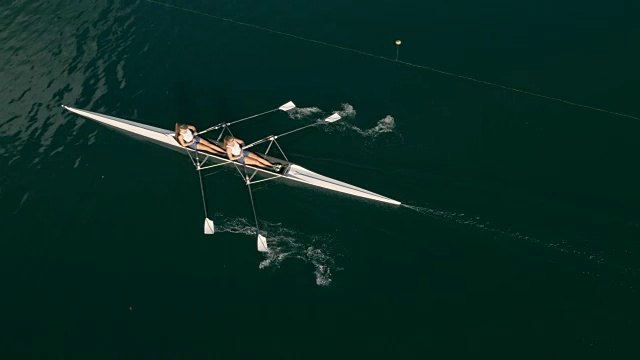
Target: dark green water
(521, 239)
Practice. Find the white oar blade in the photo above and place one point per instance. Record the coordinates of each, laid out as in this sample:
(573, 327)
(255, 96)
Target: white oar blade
(208, 226)
(288, 106)
(332, 118)
(262, 244)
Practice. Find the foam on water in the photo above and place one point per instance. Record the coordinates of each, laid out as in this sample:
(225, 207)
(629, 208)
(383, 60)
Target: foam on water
(386, 125)
(383, 126)
(299, 113)
(347, 111)
(285, 243)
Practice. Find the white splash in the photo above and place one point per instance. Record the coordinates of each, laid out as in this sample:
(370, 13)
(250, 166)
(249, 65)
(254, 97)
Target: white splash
(288, 244)
(347, 111)
(385, 125)
(310, 249)
(299, 113)
(235, 226)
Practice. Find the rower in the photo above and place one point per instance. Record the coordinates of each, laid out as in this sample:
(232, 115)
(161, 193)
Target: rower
(246, 157)
(187, 137)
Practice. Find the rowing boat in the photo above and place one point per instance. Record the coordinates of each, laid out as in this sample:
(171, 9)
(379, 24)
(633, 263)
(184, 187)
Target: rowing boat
(200, 159)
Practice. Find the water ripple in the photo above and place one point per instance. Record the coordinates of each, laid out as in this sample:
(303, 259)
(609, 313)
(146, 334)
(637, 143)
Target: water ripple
(75, 52)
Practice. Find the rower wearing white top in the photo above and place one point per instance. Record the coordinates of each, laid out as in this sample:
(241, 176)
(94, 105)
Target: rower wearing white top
(236, 152)
(187, 136)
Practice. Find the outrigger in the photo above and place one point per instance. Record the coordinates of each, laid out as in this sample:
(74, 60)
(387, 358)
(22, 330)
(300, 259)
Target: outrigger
(199, 159)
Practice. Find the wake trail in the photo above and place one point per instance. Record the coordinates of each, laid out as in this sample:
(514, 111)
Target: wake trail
(563, 245)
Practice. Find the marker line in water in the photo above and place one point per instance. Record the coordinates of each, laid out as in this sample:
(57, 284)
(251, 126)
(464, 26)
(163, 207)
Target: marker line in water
(396, 61)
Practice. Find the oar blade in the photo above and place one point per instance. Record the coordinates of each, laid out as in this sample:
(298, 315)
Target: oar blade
(262, 244)
(288, 106)
(208, 226)
(332, 118)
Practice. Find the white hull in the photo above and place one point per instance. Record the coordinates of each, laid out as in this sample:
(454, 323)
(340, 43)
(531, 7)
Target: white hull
(295, 172)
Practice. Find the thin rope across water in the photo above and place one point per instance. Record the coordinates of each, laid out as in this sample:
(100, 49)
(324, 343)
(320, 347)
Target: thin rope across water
(395, 60)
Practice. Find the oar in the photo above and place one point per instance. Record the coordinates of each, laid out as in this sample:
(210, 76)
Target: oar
(262, 244)
(208, 223)
(330, 119)
(262, 241)
(208, 226)
(286, 107)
